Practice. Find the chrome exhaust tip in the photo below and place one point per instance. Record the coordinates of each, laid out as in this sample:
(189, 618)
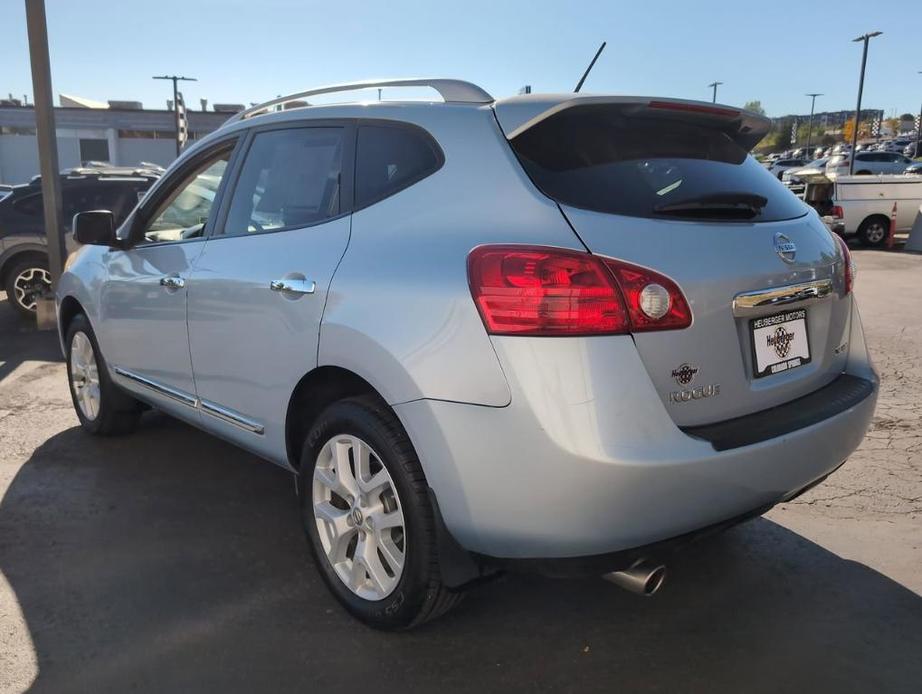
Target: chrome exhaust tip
(643, 577)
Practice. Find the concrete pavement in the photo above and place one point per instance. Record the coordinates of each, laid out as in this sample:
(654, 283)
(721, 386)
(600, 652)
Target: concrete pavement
(169, 560)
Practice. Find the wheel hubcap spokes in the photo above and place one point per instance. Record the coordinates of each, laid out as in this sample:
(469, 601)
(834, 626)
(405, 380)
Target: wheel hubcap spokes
(84, 375)
(359, 517)
(876, 233)
(29, 285)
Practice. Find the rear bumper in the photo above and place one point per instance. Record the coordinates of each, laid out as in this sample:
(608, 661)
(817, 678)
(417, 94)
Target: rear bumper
(586, 461)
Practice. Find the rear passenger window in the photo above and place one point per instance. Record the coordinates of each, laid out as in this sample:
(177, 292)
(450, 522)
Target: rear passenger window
(391, 158)
(290, 178)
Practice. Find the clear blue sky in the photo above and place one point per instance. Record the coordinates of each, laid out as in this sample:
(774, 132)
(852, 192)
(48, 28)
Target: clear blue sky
(244, 51)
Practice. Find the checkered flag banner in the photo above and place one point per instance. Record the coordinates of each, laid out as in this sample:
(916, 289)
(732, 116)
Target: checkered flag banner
(182, 124)
(918, 120)
(875, 127)
(794, 133)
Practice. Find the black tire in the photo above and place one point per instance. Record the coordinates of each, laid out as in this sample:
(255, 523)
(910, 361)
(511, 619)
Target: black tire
(869, 231)
(19, 266)
(118, 411)
(419, 594)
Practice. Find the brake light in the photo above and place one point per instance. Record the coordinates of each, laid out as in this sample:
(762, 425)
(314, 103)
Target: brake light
(838, 212)
(540, 291)
(848, 266)
(694, 108)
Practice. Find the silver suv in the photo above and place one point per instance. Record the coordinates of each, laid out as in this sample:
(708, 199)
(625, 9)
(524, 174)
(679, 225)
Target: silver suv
(561, 333)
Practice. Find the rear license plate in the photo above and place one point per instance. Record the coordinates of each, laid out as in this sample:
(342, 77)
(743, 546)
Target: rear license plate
(779, 342)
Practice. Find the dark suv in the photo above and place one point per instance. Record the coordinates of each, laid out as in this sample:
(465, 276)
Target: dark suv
(23, 246)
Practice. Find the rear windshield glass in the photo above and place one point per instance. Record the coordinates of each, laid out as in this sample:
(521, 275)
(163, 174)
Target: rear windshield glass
(598, 158)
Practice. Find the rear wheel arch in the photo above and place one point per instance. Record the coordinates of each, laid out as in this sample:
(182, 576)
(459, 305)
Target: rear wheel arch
(317, 390)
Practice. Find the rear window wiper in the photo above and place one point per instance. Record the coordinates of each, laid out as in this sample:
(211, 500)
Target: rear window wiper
(733, 205)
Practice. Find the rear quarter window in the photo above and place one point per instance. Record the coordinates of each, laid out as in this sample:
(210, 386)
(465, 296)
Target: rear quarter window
(390, 158)
(643, 166)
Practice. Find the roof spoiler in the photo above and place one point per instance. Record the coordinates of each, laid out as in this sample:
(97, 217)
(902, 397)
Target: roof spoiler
(518, 114)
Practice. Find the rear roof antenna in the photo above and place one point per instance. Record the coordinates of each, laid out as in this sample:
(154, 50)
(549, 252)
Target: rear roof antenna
(579, 85)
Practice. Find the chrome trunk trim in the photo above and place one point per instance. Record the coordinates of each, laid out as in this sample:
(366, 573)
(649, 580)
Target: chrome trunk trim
(762, 300)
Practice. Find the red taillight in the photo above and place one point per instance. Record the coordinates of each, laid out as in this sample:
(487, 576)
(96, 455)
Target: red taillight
(838, 212)
(529, 290)
(848, 265)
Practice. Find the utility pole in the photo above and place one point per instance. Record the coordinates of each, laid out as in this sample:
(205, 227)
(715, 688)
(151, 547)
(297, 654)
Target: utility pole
(810, 126)
(175, 79)
(37, 28)
(918, 152)
(714, 85)
(864, 60)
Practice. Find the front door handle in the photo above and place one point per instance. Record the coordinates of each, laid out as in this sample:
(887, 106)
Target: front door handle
(293, 286)
(172, 282)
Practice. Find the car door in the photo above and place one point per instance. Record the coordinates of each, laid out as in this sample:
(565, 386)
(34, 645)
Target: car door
(260, 284)
(142, 322)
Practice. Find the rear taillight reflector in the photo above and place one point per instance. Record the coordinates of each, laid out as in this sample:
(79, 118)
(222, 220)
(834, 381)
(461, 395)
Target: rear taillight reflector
(644, 289)
(838, 212)
(540, 291)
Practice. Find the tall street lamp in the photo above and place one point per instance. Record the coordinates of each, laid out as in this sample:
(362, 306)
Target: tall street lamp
(714, 85)
(810, 126)
(175, 79)
(864, 60)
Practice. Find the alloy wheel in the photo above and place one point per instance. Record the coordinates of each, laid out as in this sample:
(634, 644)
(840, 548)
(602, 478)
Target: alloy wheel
(359, 517)
(875, 232)
(84, 375)
(30, 285)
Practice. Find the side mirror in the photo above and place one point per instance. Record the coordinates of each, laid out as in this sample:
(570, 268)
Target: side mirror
(96, 228)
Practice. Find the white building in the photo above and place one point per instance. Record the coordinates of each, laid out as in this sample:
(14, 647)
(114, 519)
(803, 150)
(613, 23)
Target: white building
(115, 134)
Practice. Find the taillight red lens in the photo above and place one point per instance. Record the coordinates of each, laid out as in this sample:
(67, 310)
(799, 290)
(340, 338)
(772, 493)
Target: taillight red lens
(633, 280)
(848, 266)
(838, 212)
(528, 290)
(523, 290)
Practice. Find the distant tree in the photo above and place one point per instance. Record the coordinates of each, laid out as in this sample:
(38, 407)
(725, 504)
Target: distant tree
(755, 106)
(848, 130)
(907, 116)
(828, 140)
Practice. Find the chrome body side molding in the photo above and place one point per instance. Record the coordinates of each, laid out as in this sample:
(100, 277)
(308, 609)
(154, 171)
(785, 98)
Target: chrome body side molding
(231, 417)
(210, 408)
(172, 393)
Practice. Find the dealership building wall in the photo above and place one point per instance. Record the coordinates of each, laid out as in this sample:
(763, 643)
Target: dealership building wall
(120, 137)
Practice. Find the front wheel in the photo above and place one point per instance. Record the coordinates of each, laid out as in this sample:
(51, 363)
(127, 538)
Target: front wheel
(368, 519)
(101, 407)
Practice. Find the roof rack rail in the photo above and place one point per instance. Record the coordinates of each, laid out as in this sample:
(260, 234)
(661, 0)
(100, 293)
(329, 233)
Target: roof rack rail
(456, 91)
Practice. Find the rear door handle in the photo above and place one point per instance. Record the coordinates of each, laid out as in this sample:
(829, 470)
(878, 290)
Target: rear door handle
(172, 282)
(293, 286)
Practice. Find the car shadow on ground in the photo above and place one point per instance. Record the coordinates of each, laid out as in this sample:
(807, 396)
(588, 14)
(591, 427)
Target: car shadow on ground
(21, 341)
(170, 561)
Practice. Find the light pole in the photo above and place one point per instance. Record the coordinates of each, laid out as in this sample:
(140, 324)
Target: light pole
(810, 126)
(175, 79)
(864, 60)
(714, 85)
(918, 153)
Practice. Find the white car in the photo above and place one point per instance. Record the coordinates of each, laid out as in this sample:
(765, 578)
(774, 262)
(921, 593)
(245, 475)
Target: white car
(869, 163)
(781, 165)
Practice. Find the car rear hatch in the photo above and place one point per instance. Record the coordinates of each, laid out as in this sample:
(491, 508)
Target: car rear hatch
(669, 185)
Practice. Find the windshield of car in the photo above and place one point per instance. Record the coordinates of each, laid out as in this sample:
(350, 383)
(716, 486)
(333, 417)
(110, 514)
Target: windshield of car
(604, 160)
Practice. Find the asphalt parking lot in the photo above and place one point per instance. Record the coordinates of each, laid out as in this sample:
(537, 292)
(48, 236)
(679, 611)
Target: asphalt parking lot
(170, 561)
